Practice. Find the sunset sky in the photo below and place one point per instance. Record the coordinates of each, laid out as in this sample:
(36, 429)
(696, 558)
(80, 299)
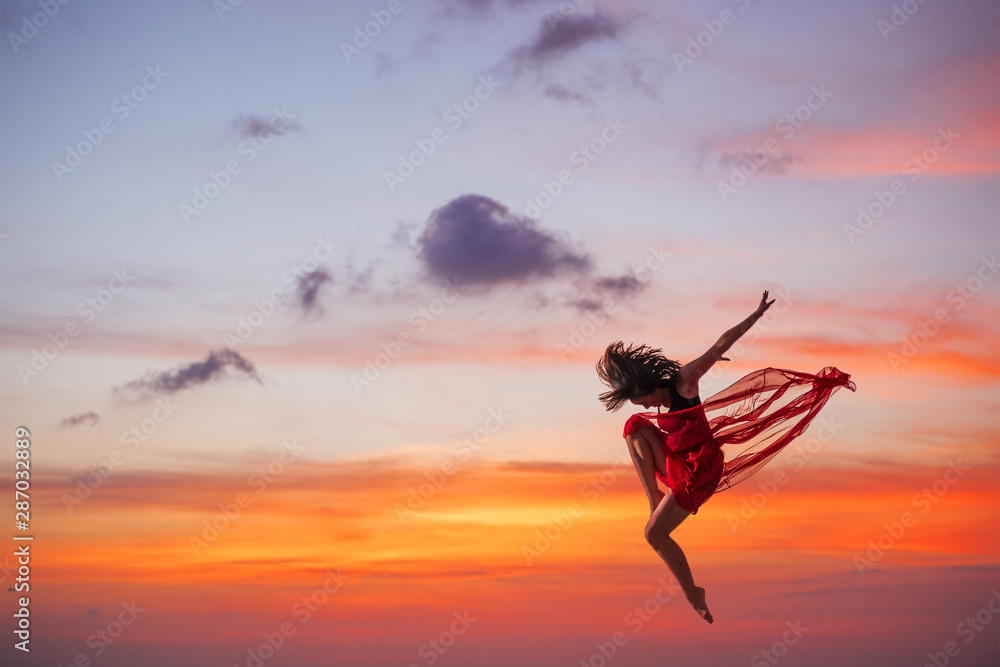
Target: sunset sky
(303, 322)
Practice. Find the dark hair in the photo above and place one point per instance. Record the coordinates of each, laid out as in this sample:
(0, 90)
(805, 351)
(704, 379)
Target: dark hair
(631, 372)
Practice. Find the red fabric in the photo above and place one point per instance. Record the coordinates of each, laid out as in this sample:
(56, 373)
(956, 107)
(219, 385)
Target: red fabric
(730, 435)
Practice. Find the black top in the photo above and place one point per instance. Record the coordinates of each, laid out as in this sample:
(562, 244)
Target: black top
(678, 402)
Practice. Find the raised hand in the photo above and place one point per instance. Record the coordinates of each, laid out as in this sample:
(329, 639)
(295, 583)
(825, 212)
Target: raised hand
(764, 304)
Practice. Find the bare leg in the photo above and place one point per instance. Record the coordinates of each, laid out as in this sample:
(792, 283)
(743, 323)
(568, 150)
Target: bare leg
(648, 457)
(667, 516)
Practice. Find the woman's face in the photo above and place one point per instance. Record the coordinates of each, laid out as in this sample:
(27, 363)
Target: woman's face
(659, 398)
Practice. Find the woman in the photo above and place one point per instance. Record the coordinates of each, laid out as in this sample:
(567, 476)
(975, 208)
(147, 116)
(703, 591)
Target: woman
(684, 447)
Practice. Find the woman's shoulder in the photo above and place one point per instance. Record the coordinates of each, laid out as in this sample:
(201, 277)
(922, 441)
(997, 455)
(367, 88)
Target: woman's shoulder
(683, 388)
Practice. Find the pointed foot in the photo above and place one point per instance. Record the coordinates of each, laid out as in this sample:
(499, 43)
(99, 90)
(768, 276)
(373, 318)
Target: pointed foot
(698, 602)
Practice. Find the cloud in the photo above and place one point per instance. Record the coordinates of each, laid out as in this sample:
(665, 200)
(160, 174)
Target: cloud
(858, 151)
(90, 418)
(402, 235)
(196, 373)
(360, 281)
(874, 130)
(563, 38)
(385, 64)
(560, 92)
(476, 240)
(597, 290)
(555, 39)
(624, 284)
(496, 508)
(776, 164)
(308, 289)
(253, 125)
(563, 30)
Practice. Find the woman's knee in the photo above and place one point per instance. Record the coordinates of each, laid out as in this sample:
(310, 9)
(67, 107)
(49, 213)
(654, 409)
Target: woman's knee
(649, 531)
(665, 519)
(656, 532)
(641, 439)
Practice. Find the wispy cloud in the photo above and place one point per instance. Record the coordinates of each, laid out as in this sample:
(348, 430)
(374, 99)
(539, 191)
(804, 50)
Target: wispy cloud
(89, 418)
(554, 40)
(385, 64)
(559, 92)
(576, 57)
(309, 287)
(252, 125)
(216, 366)
(778, 164)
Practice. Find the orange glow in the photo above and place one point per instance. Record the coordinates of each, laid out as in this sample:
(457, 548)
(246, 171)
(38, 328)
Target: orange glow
(325, 515)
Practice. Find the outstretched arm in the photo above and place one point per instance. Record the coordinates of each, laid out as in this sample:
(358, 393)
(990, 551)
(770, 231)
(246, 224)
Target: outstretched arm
(692, 372)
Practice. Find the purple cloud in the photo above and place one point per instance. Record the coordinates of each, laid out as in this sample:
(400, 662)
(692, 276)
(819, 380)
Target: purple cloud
(308, 289)
(216, 366)
(556, 39)
(253, 125)
(89, 418)
(476, 240)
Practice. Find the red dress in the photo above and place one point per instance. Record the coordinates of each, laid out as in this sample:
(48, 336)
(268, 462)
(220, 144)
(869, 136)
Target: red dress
(729, 436)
